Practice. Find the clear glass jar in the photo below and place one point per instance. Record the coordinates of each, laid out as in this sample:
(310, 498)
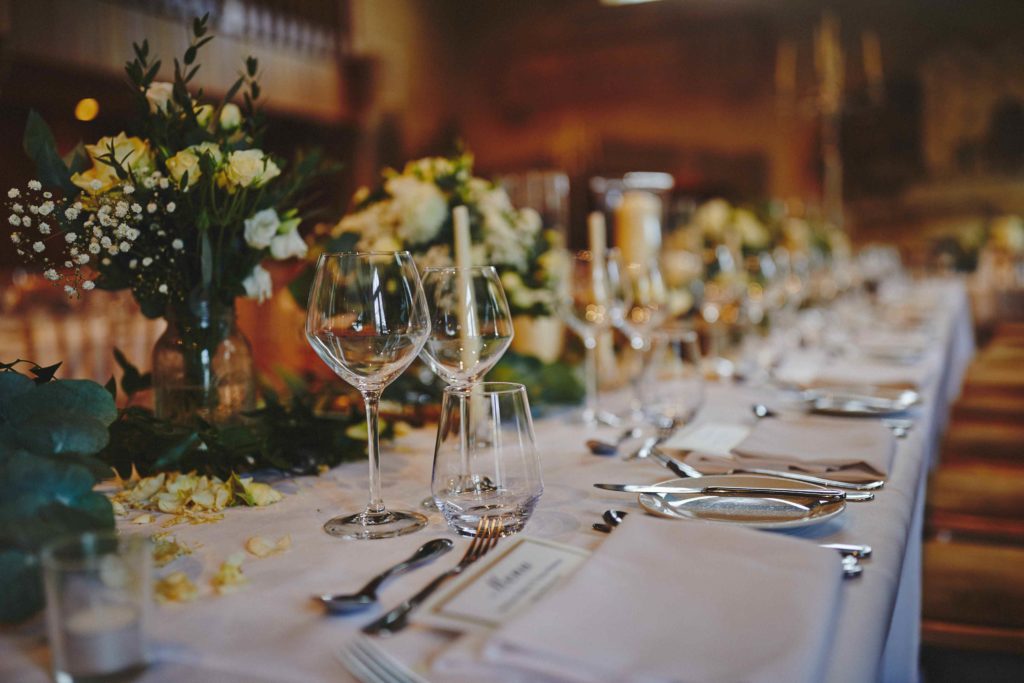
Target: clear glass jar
(203, 367)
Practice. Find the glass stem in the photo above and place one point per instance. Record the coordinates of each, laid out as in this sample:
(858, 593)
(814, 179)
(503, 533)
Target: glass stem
(371, 399)
(590, 378)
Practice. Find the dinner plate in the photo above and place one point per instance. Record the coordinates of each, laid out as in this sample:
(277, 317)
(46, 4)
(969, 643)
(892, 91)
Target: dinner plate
(754, 511)
(860, 401)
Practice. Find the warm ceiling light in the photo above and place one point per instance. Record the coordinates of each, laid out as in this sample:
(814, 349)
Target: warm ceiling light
(87, 109)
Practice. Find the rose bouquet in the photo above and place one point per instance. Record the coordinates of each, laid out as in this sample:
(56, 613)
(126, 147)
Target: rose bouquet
(181, 210)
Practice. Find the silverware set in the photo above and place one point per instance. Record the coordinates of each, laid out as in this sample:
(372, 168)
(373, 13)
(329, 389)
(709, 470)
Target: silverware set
(488, 531)
(851, 554)
(370, 663)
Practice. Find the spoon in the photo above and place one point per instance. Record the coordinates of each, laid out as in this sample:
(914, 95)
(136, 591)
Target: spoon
(762, 411)
(598, 447)
(367, 595)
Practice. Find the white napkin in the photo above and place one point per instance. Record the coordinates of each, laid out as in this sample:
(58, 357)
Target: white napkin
(669, 601)
(818, 444)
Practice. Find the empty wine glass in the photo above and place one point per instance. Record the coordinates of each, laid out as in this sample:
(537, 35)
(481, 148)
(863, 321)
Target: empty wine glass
(675, 378)
(471, 328)
(367, 319)
(470, 323)
(591, 300)
(502, 452)
(645, 291)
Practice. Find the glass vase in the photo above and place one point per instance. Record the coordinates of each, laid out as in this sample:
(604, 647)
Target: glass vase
(203, 367)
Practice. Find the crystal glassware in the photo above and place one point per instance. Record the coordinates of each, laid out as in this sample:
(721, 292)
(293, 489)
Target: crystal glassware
(502, 455)
(98, 592)
(591, 300)
(471, 326)
(675, 377)
(367, 319)
(645, 291)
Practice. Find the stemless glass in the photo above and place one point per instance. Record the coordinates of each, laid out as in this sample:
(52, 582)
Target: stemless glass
(367, 319)
(470, 323)
(502, 452)
(591, 300)
(98, 596)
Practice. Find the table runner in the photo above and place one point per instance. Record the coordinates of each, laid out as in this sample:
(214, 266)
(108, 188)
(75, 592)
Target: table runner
(271, 631)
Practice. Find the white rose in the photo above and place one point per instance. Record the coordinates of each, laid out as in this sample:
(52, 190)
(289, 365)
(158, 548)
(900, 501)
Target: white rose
(159, 96)
(752, 232)
(230, 117)
(261, 228)
(712, 216)
(248, 167)
(258, 285)
(417, 208)
(288, 245)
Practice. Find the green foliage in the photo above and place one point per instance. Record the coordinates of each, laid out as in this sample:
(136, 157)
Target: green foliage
(49, 432)
(41, 147)
(295, 437)
(547, 383)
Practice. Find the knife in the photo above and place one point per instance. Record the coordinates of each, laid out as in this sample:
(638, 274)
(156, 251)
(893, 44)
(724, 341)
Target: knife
(818, 494)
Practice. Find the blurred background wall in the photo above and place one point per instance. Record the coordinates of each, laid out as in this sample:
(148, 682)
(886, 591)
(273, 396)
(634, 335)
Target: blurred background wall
(724, 95)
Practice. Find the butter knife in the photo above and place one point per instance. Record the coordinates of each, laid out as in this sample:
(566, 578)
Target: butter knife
(818, 494)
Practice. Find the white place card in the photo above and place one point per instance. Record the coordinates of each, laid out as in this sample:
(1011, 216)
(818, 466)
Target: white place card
(710, 438)
(500, 585)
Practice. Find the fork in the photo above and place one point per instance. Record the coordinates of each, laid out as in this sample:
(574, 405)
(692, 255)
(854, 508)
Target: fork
(488, 531)
(368, 662)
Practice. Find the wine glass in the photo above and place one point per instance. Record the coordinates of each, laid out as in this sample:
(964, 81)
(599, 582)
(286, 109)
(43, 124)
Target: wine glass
(676, 378)
(367, 319)
(471, 328)
(720, 306)
(591, 300)
(645, 291)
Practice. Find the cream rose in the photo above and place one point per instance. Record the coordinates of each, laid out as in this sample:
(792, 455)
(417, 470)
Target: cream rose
(248, 167)
(261, 228)
(203, 114)
(230, 117)
(159, 96)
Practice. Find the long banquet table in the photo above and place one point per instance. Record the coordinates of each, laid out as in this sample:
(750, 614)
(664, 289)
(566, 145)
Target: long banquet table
(272, 631)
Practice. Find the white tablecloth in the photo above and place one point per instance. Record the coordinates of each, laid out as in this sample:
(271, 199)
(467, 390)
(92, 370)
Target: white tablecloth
(272, 631)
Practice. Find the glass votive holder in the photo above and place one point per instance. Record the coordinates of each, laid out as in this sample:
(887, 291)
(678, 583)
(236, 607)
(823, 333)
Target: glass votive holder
(485, 458)
(98, 593)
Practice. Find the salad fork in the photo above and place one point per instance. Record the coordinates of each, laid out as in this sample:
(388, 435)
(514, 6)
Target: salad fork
(488, 531)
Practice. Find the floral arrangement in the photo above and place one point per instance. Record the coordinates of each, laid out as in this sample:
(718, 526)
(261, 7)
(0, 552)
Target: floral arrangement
(717, 222)
(182, 209)
(411, 210)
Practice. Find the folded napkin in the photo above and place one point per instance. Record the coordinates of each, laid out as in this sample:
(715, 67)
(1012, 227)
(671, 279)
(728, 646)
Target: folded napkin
(818, 444)
(669, 601)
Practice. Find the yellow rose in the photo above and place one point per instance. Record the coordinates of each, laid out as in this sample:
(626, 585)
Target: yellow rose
(248, 167)
(203, 114)
(131, 152)
(187, 161)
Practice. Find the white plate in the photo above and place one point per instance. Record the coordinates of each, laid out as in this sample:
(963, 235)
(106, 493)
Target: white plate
(852, 401)
(758, 512)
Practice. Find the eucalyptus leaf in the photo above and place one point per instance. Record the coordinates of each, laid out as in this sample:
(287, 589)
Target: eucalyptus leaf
(67, 398)
(22, 595)
(41, 147)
